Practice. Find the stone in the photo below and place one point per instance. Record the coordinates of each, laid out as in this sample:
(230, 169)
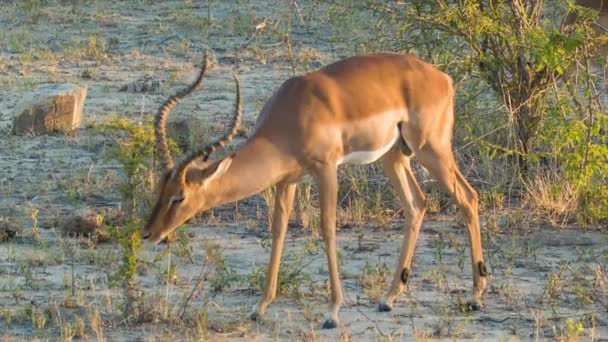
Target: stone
(92, 224)
(143, 85)
(50, 108)
(9, 228)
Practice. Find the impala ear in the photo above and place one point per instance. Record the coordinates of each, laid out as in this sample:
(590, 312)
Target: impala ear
(218, 170)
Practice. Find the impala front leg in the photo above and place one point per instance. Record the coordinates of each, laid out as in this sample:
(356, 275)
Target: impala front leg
(283, 203)
(328, 195)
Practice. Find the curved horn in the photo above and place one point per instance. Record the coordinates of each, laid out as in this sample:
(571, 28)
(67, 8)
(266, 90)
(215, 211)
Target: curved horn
(207, 150)
(162, 148)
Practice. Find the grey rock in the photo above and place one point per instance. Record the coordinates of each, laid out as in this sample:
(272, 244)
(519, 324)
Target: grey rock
(50, 108)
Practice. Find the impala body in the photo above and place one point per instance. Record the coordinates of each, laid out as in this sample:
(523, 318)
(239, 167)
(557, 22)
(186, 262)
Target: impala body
(386, 107)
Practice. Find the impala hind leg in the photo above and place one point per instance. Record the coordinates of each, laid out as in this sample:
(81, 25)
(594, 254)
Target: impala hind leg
(442, 165)
(328, 196)
(396, 166)
(283, 203)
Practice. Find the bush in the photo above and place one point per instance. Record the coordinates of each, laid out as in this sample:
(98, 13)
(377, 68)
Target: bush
(550, 118)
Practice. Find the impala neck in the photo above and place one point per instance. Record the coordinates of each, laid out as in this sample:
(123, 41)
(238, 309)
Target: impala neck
(255, 166)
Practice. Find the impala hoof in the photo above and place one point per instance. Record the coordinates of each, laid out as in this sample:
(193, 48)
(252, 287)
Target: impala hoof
(330, 324)
(383, 307)
(257, 312)
(472, 306)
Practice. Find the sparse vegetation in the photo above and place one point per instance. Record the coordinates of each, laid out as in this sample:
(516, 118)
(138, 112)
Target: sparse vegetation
(130, 243)
(530, 135)
(94, 48)
(292, 280)
(224, 275)
(133, 150)
(374, 280)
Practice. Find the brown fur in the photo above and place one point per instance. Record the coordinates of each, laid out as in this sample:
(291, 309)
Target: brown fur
(311, 124)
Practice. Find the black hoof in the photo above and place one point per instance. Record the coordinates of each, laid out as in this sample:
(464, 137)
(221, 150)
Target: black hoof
(255, 316)
(470, 306)
(383, 307)
(330, 324)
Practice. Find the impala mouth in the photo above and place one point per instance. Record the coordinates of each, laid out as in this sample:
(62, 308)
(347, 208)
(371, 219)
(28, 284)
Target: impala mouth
(152, 238)
(156, 239)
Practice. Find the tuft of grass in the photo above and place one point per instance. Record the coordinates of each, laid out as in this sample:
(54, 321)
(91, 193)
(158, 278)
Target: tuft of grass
(224, 275)
(76, 328)
(129, 240)
(33, 9)
(570, 331)
(374, 280)
(492, 198)
(291, 276)
(268, 197)
(556, 283)
(33, 54)
(96, 323)
(364, 193)
(93, 48)
(38, 319)
(553, 198)
(307, 215)
(187, 19)
(20, 40)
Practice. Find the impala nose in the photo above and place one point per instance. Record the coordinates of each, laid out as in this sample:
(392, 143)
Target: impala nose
(146, 235)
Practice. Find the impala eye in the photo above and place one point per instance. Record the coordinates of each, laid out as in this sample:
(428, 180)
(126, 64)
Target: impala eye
(177, 200)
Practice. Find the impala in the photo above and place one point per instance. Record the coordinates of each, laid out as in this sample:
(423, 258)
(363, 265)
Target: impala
(386, 107)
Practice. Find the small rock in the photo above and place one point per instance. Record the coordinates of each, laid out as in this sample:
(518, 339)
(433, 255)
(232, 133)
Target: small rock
(143, 85)
(50, 108)
(92, 224)
(9, 228)
(82, 226)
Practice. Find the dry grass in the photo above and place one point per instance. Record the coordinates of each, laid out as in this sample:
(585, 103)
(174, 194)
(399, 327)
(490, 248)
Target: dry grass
(374, 281)
(553, 198)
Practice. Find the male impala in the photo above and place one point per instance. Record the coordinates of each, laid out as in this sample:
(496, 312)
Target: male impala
(361, 109)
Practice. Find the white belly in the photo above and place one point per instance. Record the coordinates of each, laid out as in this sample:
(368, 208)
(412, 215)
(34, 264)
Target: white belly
(366, 157)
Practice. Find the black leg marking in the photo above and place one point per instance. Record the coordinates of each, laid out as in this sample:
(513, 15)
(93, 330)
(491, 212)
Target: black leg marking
(483, 271)
(404, 275)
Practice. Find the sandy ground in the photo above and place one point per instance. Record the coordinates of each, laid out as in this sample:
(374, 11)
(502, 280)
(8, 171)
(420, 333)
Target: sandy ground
(545, 283)
(517, 306)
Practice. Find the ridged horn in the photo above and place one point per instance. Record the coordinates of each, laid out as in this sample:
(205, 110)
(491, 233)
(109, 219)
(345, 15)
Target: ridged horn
(204, 152)
(162, 147)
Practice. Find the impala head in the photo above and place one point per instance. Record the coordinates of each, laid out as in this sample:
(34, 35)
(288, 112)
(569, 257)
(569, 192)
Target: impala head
(187, 188)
